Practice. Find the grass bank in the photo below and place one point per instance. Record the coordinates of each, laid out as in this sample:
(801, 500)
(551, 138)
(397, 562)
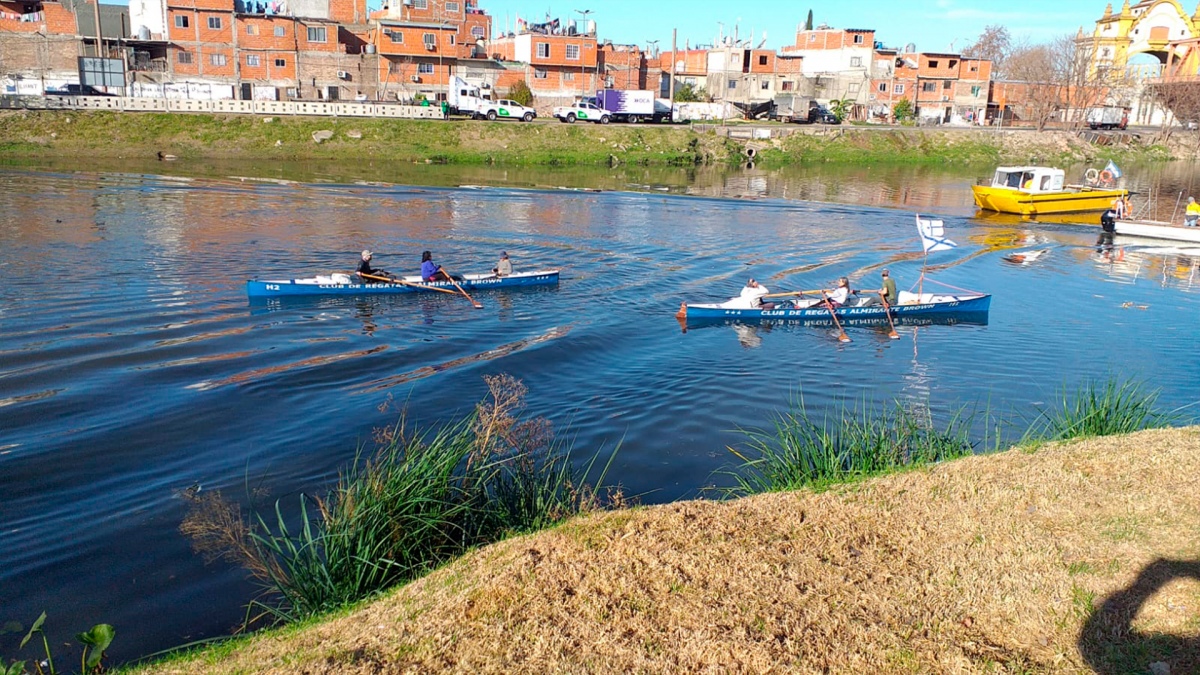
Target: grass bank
(201, 136)
(1081, 556)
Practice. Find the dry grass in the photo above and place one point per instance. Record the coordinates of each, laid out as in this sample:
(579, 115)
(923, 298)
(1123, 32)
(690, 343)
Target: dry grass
(986, 564)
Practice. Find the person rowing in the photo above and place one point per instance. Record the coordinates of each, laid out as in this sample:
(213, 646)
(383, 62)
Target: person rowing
(365, 271)
(431, 271)
(751, 297)
(840, 295)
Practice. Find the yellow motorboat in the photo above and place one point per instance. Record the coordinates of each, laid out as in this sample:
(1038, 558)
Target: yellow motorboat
(1039, 190)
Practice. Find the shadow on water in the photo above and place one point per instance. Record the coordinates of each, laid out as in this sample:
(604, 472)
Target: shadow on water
(1112, 645)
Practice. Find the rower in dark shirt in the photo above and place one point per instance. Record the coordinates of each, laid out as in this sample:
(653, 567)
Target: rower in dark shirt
(364, 267)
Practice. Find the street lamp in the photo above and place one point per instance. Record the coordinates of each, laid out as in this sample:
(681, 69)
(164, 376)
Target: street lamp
(653, 44)
(582, 62)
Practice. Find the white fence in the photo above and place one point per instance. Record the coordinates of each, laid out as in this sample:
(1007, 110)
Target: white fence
(282, 108)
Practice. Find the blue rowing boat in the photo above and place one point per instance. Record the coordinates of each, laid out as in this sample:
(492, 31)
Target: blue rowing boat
(343, 284)
(910, 306)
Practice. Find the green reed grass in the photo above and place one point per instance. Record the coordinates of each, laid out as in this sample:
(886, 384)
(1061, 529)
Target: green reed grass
(854, 442)
(1100, 408)
(419, 500)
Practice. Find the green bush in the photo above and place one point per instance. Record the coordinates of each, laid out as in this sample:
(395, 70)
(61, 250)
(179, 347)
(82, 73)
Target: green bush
(903, 110)
(687, 93)
(521, 93)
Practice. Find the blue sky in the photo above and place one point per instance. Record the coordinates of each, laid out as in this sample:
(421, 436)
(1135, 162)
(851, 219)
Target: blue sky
(934, 25)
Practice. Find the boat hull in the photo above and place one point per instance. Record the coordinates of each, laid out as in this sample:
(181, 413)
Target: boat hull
(1010, 200)
(1153, 229)
(937, 305)
(256, 288)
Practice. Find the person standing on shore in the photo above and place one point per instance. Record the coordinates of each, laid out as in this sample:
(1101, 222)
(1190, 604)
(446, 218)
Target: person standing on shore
(1192, 214)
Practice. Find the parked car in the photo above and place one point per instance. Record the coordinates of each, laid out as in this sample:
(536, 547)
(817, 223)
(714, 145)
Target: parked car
(504, 109)
(582, 110)
(823, 115)
(77, 90)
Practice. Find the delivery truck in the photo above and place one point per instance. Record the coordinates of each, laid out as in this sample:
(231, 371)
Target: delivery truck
(1107, 117)
(632, 105)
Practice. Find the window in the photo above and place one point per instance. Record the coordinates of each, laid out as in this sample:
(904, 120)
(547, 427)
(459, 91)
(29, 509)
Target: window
(853, 87)
(280, 63)
(689, 81)
(787, 85)
(181, 21)
(539, 73)
(279, 31)
(478, 32)
(765, 85)
(953, 63)
(214, 22)
(251, 29)
(452, 40)
(947, 84)
(933, 64)
(425, 68)
(762, 59)
(974, 69)
(733, 84)
(858, 39)
(217, 59)
(572, 52)
(883, 87)
(898, 89)
(316, 33)
(856, 62)
(420, 4)
(252, 60)
(429, 39)
(451, 6)
(543, 50)
(397, 38)
(568, 76)
(184, 57)
(291, 92)
(929, 86)
(975, 90)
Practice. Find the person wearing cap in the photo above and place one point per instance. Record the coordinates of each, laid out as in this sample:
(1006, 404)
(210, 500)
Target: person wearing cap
(752, 295)
(888, 292)
(504, 267)
(364, 267)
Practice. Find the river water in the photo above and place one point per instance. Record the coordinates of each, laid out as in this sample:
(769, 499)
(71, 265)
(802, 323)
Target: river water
(132, 365)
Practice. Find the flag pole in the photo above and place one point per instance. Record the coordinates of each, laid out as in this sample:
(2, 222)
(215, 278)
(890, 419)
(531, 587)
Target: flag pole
(924, 261)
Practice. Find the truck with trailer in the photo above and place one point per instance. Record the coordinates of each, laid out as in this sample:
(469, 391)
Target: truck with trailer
(1107, 117)
(464, 98)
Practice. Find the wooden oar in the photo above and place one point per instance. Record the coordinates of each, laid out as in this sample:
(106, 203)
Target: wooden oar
(842, 337)
(887, 310)
(408, 283)
(460, 288)
(789, 293)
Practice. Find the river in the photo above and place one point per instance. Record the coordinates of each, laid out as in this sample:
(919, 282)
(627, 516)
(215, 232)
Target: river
(132, 365)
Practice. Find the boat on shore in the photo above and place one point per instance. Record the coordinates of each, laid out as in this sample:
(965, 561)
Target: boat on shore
(814, 310)
(1158, 229)
(343, 284)
(1032, 191)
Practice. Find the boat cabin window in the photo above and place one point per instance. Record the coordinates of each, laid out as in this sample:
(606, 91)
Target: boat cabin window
(1013, 180)
(1045, 184)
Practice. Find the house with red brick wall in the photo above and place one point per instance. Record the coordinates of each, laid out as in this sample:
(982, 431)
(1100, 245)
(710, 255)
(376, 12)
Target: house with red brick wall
(838, 61)
(559, 65)
(687, 67)
(422, 43)
(40, 42)
(622, 66)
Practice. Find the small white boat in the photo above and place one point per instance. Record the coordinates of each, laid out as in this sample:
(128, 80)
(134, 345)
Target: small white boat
(1158, 229)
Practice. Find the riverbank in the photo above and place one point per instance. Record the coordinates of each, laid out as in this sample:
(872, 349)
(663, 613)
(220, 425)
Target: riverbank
(1080, 557)
(201, 136)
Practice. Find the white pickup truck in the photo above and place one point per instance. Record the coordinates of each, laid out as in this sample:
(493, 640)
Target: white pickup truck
(582, 110)
(505, 109)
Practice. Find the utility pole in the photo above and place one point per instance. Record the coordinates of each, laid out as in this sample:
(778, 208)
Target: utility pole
(582, 42)
(99, 34)
(674, 57)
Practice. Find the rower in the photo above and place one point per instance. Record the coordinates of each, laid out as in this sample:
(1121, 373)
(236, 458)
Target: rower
(431, 271)
(840, 295)
(364, 267)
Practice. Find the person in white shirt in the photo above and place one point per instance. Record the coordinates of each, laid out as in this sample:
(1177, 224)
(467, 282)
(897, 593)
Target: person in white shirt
(840, 295)
(751, 297)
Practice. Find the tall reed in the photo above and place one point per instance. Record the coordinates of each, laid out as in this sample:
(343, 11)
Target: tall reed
(852, 443)
(420, 499)
(1099, 409)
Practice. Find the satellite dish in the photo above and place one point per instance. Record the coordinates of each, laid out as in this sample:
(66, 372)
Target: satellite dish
(910, 48)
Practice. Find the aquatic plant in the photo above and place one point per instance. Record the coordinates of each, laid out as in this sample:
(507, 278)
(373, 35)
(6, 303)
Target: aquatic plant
(852, 443)
(1099, 409)
(420, 499)
(95, 641)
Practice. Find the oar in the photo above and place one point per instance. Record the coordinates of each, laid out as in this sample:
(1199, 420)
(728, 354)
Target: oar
(842, 337)
(408, 283)
(789, 293)
(888, 311)
(460, 288)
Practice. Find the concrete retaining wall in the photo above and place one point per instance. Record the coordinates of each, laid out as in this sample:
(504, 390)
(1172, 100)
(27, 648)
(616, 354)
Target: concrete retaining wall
(281, 108)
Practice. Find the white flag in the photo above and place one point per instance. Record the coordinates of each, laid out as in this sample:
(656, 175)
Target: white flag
(933, 235)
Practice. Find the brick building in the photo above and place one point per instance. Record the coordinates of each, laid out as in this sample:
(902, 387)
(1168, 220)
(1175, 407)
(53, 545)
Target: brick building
(839, 62)
(421, 43)
(40, 42)
(559, 64)
(622, 66)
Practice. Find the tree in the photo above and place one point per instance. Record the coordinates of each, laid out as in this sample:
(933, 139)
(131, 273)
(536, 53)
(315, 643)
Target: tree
(841, 108)
(687, 93)
(993, 44)
(808, 24)
(521, 93)
(1056, 81)
(903, 110)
